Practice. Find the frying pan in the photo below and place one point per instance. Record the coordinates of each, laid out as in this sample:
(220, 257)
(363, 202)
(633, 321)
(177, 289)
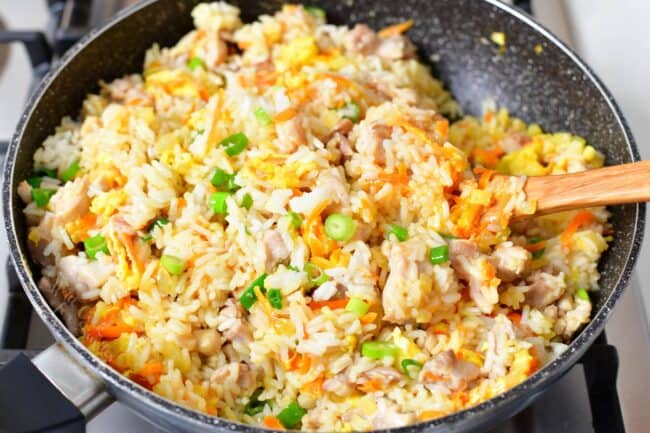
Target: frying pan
(552, 87)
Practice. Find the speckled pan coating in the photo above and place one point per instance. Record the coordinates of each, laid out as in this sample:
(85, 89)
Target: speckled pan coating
(553, 88)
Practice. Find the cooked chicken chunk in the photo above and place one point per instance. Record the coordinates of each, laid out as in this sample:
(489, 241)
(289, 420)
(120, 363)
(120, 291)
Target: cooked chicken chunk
(25, 192)
(66, 306)
(40, 240)
(396, 48)
(339, 385)
(235, 375)
(362, 40)
(371, 141)
(402, 295)
(275, 248)
(544, 289)
(291, 134)
(510, 261)
(71, 201)
(231, 325)
(472, 266)
(385, 375)
(388, 416)
(455, 373)
(85, 277)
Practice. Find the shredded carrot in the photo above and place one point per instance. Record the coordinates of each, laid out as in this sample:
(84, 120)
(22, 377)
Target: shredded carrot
(488, 157)
(285, 115)
(340, 80)
(433, 377)
(401, 177)
(369, 317)
(582, 218)
(439, 328)
(314, 388)
(427, 415)
(442, 129)
(395, 29)
(273, 423)
(181, 203)
(372, 385)
(488, 116)
(515, 317)
(534, 364)
(151, 368)
(535, 247)
(300, 363)
(333, 304)
(107, 331)
(127, 241)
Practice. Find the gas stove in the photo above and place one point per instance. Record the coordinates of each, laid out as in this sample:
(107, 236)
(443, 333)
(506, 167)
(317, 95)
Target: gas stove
(604, 393)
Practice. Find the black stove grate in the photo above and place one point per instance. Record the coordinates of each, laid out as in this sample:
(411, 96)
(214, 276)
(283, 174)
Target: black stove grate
(70, 19)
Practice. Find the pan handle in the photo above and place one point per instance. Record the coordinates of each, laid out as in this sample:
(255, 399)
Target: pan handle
(51, 392)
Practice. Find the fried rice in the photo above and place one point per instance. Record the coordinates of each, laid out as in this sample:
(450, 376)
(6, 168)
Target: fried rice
(276, 223)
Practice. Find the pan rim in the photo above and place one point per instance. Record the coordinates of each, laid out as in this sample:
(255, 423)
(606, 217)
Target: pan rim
(115, 381)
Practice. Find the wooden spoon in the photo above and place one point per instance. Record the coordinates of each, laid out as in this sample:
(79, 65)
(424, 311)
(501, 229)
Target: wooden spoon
(617, 184)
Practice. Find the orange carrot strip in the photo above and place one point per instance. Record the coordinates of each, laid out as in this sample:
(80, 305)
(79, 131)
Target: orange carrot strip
(333, 304)
(489, 158)
(273, 423)
(515, 317)
(372, 385)
(368, 318)
(427, 415)
(535, 247)
(285, 115)
(582, 218)
(395, 29)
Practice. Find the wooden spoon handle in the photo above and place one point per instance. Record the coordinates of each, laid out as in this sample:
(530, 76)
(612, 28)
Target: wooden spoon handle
(617, 184)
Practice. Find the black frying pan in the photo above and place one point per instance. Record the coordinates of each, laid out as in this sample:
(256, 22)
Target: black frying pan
(554, 88)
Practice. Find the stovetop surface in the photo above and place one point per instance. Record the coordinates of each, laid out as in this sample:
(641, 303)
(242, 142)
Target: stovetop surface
(564, 407)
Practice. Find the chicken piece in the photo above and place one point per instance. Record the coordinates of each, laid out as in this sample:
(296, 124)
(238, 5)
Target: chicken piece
(371, 141)
(335, 185)
(385, 375)
(514, 141)
(40, 240)
(236, 376)
(291, 134)
(341, 144)
(498, 340)
(66, 306)
(510, 261)
(455, 373)
(275, 248)
(402, 296)
(24, 191)
(216, 51)
(71, 201)
(339, 385)
(544, 289)
(85, 277)
(472, 266)
(389, 416)
(208, 341)
(231, 324)
(396, 48)
(130, 88)
(361, 40)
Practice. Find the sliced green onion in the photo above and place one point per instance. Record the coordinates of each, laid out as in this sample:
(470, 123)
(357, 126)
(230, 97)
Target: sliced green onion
(235, 144)
(45, 172)
(200, 131)
(248, 297)
(196, 62)
(220, 177)
(218, 202)
(146, 238)
(339, 227)
(247, 201)
(379, 349)
(291, 415)
(293, 268)
(535, 240)
(231, 185)
(263, 117)
(315, 274)
(70, 172)
(42, 196)
(316, 12)
(582, 294)
(275, 298)
(539, 253)
(95, 245)
(406, 363)
(438, 255)
(254, 405)
(351, 111)
(34, 181)
(158, 222)
(296, 220)
(401, 233)
(174, 265)
(447, 236)
(357, 306)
